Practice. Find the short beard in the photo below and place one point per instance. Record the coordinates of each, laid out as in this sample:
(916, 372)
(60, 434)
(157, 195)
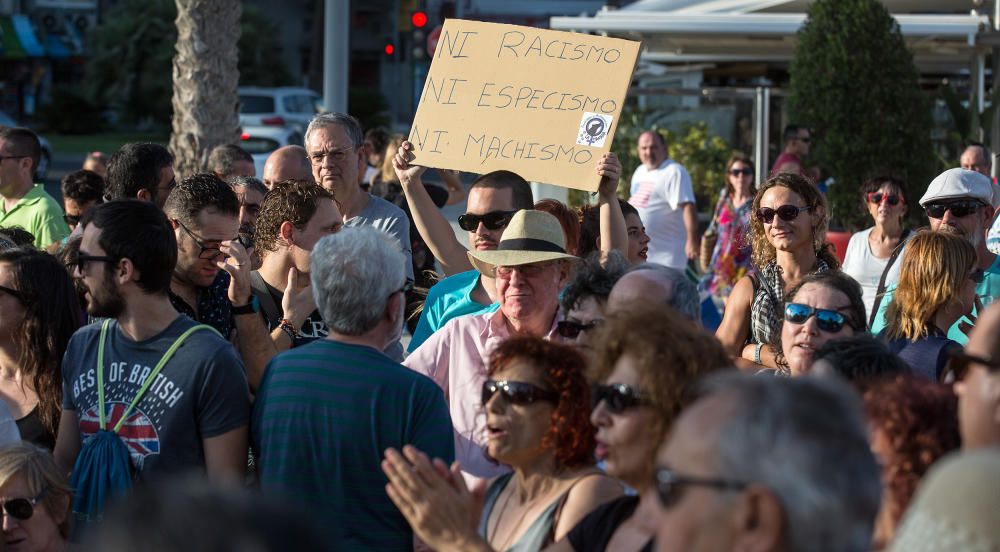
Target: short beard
(108, 303)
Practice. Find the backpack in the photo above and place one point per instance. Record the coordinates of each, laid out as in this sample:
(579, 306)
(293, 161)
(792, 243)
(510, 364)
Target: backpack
(103, 470)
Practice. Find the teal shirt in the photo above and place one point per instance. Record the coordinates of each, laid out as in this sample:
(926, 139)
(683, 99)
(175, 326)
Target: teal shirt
(39, 214)
(447, 299)
(324, 415)
(987, 292)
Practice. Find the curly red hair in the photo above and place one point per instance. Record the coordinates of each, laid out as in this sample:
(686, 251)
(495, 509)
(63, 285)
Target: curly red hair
(562, 368)
(919, 419)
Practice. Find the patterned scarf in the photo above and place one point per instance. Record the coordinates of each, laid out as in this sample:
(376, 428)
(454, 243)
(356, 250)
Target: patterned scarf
(768, 303)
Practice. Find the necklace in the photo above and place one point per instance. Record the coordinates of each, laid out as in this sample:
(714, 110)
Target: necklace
(513, 531)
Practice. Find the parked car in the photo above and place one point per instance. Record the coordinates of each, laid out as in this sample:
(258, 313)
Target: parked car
(279, 107)
(260, 141)
(45, 160)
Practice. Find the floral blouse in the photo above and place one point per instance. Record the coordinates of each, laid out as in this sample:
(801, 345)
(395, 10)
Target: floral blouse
(731, 257)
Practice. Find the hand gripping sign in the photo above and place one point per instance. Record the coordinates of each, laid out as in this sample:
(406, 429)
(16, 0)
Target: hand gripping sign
(544, 104)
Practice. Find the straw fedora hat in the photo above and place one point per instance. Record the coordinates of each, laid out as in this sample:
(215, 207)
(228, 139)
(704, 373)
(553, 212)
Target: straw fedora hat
(530, 237)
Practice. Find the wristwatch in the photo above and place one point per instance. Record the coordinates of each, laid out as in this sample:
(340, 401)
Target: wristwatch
(250, 308)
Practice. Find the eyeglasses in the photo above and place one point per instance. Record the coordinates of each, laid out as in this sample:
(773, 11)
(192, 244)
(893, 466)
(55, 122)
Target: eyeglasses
(570, 329)
(827, 320)
(72, 220)
(206, 253)
(669, 485)
(82, 260)
(517, 392)
(617, 397)
(6, 157)
(13, 293)
(744, 172)
(407, 287)
(22, 508)
(804, 139)
(978, 276)
(787, 213)
(878, 197)
(958, 208)
(338, 155)
(529, 270)
(494, 220)
(958, 365)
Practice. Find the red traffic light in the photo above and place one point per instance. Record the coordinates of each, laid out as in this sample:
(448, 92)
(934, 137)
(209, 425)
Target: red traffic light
(419, 19)
(389, 49)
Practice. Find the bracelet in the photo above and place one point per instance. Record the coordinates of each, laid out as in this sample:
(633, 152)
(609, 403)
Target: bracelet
(286, 326)
(756, 353)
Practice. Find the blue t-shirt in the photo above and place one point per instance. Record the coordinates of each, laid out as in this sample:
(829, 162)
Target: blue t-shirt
(987, 292)
(447, 299)
(324, 415)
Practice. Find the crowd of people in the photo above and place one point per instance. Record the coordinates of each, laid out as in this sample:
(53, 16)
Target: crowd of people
(217, 360)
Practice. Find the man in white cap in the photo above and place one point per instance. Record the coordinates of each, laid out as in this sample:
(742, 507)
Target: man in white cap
(958, 201)
(530, 265)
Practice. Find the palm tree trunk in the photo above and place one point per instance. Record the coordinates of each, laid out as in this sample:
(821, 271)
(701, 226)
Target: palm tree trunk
(206, 76)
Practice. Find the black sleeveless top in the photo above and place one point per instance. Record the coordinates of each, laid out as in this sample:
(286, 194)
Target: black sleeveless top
(33, 430)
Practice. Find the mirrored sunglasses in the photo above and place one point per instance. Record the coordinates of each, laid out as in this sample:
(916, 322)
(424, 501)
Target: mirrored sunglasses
(827, 320)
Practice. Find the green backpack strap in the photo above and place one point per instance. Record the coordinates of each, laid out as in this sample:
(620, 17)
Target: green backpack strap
(149, 379)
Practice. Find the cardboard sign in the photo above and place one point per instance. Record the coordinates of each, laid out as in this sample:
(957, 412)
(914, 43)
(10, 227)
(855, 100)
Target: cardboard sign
(543, 104)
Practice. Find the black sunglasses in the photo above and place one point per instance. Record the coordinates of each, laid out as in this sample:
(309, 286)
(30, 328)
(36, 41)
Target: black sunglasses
(827, 320)
(82, 260)
(738, 172)
(877, 197)
(517, 392)
(72, 220)
(617, 397)
(787, 213)
(958, 209)
(22, 508)
(978, 276)
(570, 329)
(494, 220)
(13, 293)
(958, 365)
(669, 485)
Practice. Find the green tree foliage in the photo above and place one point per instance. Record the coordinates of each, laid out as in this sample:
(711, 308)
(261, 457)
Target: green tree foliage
(853, 81)
(260, 60)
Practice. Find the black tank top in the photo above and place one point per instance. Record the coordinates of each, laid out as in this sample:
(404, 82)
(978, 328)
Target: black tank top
(33, 430)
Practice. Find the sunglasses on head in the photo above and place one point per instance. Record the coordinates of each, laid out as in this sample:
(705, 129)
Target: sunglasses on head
(517, 392)
(787, 213)
(21, 508)
(959, 363)
(494, 220)
(570, 329)
(878, 197)
(744, 171)
(827, 320)
(617, 397)
(670, 485)
(958, 208)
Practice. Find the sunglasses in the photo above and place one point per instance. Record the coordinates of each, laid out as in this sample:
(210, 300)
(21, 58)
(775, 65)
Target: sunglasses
(827, 320)
(959, 362)
(978, 276)
(669, 485)
(958, 209)
(517, 392)
(82, 260)
(21, 508)
(787, 213)
(738, 172)
(13, 293)
(494, 220)
(878, 197)
(570, 329)
(72, 220)
(617, 397)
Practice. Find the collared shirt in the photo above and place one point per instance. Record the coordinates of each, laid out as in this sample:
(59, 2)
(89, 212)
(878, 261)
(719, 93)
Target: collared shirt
(39, 214)
(447, 299)
(214, 307)
(455, 357)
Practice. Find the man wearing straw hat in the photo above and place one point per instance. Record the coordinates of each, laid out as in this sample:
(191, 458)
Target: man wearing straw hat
(531, 265)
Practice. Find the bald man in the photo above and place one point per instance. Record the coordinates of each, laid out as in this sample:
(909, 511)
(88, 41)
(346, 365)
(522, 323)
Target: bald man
(287, 163)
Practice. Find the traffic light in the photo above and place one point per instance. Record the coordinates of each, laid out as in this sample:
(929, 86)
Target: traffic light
(389, 49)
(419, 19)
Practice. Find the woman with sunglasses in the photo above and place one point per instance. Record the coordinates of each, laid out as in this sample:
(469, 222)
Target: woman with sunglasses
(870, 250)
(584, 299)
(36, 500)
(822, 306)
(730, 259)
(537, 405)
(937, 285)
(39, 312)
(787, 228)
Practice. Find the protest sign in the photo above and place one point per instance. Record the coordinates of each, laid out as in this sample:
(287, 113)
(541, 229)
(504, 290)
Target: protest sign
(544, 104)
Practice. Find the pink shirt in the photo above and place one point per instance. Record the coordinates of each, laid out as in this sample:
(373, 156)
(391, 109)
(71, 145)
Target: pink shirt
(455, 357)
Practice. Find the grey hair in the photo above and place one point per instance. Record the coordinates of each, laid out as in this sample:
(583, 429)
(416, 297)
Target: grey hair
(249, 183)
(684, 295)
(805, 440)
(353, 273)
(351, 126)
